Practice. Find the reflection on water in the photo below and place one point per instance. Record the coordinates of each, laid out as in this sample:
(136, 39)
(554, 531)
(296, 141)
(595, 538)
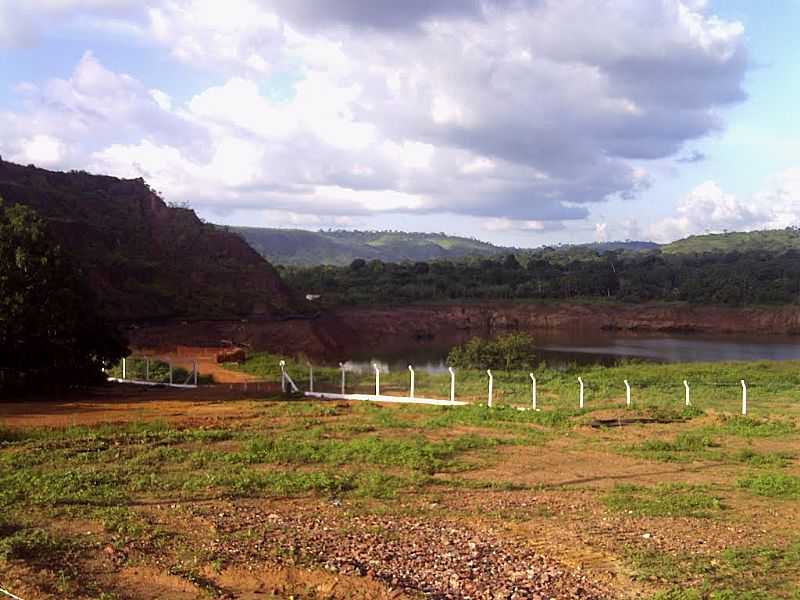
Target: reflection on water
(559, 348)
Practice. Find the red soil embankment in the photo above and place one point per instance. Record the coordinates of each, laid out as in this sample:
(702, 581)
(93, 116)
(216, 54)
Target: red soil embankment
(322, 337)
(442, 320)
(336, 334)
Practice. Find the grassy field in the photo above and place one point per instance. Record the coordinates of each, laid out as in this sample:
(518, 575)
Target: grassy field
(353, 500)
(773, 386)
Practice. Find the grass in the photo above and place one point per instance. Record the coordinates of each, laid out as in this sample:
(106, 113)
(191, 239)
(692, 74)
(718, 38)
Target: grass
(667, 500)
(33, 546)
(772, 485)
(685, 447)
(750, 427)
(415, 453)
(739, 573)
(656, 387)
(753, 458)
(143, 488)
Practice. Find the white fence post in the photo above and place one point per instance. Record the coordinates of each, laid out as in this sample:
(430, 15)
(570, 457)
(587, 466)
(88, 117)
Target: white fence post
(283, 375)
(580, 381)
(341, 366)
(452, 384)
(688, 395)
(491, 385)
(170, 374)
(533, 391)
(411, 389)
(310, 377)
(627, 393)
(377, 379)
(744, 398)
(194, 368)
(124, 368)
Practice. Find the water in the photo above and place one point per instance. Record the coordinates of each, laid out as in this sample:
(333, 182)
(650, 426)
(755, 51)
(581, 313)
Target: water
(562, 347)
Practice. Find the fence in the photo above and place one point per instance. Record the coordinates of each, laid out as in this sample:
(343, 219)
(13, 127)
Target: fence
(153, 371)
(415, 386)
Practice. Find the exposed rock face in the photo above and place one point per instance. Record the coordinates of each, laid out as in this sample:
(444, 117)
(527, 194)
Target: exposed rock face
(432, 321)
(145, 259)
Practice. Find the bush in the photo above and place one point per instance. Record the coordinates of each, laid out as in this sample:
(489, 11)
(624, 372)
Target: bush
(509, 351)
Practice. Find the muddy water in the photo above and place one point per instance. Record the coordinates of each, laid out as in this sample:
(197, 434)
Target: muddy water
(591, 347)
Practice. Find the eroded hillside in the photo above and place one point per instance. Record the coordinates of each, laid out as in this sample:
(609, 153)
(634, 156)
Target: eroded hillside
(147, 260)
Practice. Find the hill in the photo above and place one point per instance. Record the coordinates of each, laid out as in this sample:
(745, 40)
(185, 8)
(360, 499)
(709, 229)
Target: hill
(772, 241)
(296, 247)
(144, 259)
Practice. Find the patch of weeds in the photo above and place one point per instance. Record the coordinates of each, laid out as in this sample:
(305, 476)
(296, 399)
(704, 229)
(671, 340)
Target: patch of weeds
(33, 545)
(670, 568)
(684, 448)
(200, 459)
(750, 457)
(158, 456)
(124, 524)
(772, 485)
(735, 574)
(416, 453)
(245, 482)
(305, 409)
(375, 484)
(388, 419)
(482, 484)
(8, 435)
(666, 500)
(498, 417)
(754, 427)
(50, 488)
(699, 594)
(671, 413)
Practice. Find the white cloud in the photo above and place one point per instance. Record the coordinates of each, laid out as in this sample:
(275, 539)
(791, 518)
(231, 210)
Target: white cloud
(520, 112)
(217, 34)
(44, 150)
(709, 209)
(504, 224)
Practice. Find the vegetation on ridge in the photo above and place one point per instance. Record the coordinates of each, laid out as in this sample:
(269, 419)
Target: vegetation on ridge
(735, 278)
(50, 330)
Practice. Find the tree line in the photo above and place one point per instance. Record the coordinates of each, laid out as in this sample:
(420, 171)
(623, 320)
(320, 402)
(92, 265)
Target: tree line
(729, 278)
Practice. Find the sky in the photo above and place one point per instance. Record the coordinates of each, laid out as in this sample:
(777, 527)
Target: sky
(520, 122)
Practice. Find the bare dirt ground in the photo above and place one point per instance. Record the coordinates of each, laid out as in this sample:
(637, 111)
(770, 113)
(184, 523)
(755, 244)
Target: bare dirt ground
(130, 403)
(524, 520)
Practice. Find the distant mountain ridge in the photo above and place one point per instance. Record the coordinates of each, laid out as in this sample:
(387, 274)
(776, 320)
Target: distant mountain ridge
(303, 248)
(297, 247)
(770, 240)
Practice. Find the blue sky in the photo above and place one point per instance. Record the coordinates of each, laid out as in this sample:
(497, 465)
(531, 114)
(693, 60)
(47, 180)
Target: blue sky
(522, 123)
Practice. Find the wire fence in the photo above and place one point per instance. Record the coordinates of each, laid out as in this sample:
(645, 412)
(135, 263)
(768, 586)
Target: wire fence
(538, 390)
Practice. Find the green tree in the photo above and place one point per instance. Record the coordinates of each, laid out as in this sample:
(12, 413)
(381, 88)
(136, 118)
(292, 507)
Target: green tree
(508, 351)
(50, 329)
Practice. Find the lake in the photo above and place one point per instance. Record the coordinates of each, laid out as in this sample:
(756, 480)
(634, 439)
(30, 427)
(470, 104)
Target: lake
(560, 347)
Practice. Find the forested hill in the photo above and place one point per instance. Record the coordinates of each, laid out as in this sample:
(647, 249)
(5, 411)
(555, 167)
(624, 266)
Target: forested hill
(774, 241)
(301, 248)
(296, 247)
(142, 258)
